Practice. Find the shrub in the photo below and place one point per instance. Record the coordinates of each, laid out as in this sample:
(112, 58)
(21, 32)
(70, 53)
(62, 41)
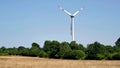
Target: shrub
(100, 56)
(116, 56)
(4, 54)
(74, 54)
(43, 54)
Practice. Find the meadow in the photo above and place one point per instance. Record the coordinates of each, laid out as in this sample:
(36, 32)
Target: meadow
(35, 62)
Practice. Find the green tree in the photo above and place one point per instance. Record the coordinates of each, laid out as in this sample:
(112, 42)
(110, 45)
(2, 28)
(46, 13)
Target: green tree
(75, 54)
(94, 49)
(109, 49)
(116, 49)
(74, 45)
(116, 56)
(81, 47)
(35, 49)
(43, 54)
(117, 43)
(13, 51)
(3, 51)
(51, 48)
(23, 51)
(47, 46)
(100, 56)
(64, 48)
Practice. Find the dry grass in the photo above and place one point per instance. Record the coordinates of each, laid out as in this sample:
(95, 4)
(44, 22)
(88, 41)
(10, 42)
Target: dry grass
(30, 62)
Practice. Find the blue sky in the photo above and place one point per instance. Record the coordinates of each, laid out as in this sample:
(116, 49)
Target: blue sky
(23, 22)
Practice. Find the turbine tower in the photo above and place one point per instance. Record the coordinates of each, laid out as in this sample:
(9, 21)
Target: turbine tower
(72, 20)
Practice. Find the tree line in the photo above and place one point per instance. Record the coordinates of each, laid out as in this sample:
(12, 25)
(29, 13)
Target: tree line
(65, 50)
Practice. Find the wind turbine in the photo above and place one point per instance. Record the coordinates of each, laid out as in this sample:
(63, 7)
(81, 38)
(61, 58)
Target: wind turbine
(72, 20)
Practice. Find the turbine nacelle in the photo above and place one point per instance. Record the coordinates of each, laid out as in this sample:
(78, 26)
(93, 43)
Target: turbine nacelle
(72, 16)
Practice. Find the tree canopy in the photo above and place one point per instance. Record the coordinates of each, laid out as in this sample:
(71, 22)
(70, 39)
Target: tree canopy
(117, 43)
(66, 50)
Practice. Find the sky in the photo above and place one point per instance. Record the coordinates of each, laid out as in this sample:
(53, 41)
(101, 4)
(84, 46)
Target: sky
(23, 22)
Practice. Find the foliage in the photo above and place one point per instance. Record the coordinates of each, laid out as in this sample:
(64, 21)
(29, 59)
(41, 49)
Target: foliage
(75, 46)
(100, 56)
(75, 54)
(109, 49)
(66, 50)
(23, 51)
(51, 48)
(34, 50)
(116, 56)
(94, 49)
(43, 54)
(12, 51)
(117, 43)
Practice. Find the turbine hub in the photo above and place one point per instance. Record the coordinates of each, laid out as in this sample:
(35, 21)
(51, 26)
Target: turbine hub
(72, 16)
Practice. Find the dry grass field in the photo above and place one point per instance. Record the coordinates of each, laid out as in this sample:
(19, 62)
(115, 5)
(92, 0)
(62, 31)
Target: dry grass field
(34, 62)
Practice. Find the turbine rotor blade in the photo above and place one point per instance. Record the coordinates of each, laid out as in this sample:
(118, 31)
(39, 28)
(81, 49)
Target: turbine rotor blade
(64, 10)
(77, 11)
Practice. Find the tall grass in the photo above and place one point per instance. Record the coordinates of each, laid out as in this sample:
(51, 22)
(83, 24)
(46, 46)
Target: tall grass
(34, 62)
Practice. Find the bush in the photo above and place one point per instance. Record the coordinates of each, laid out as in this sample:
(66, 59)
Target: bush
(108, 56)
(51, 48)
(94, 49)
(116, 56)
(74, 54)
(100, 56)
(64, 49)
(4, 54)
(43, 54)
